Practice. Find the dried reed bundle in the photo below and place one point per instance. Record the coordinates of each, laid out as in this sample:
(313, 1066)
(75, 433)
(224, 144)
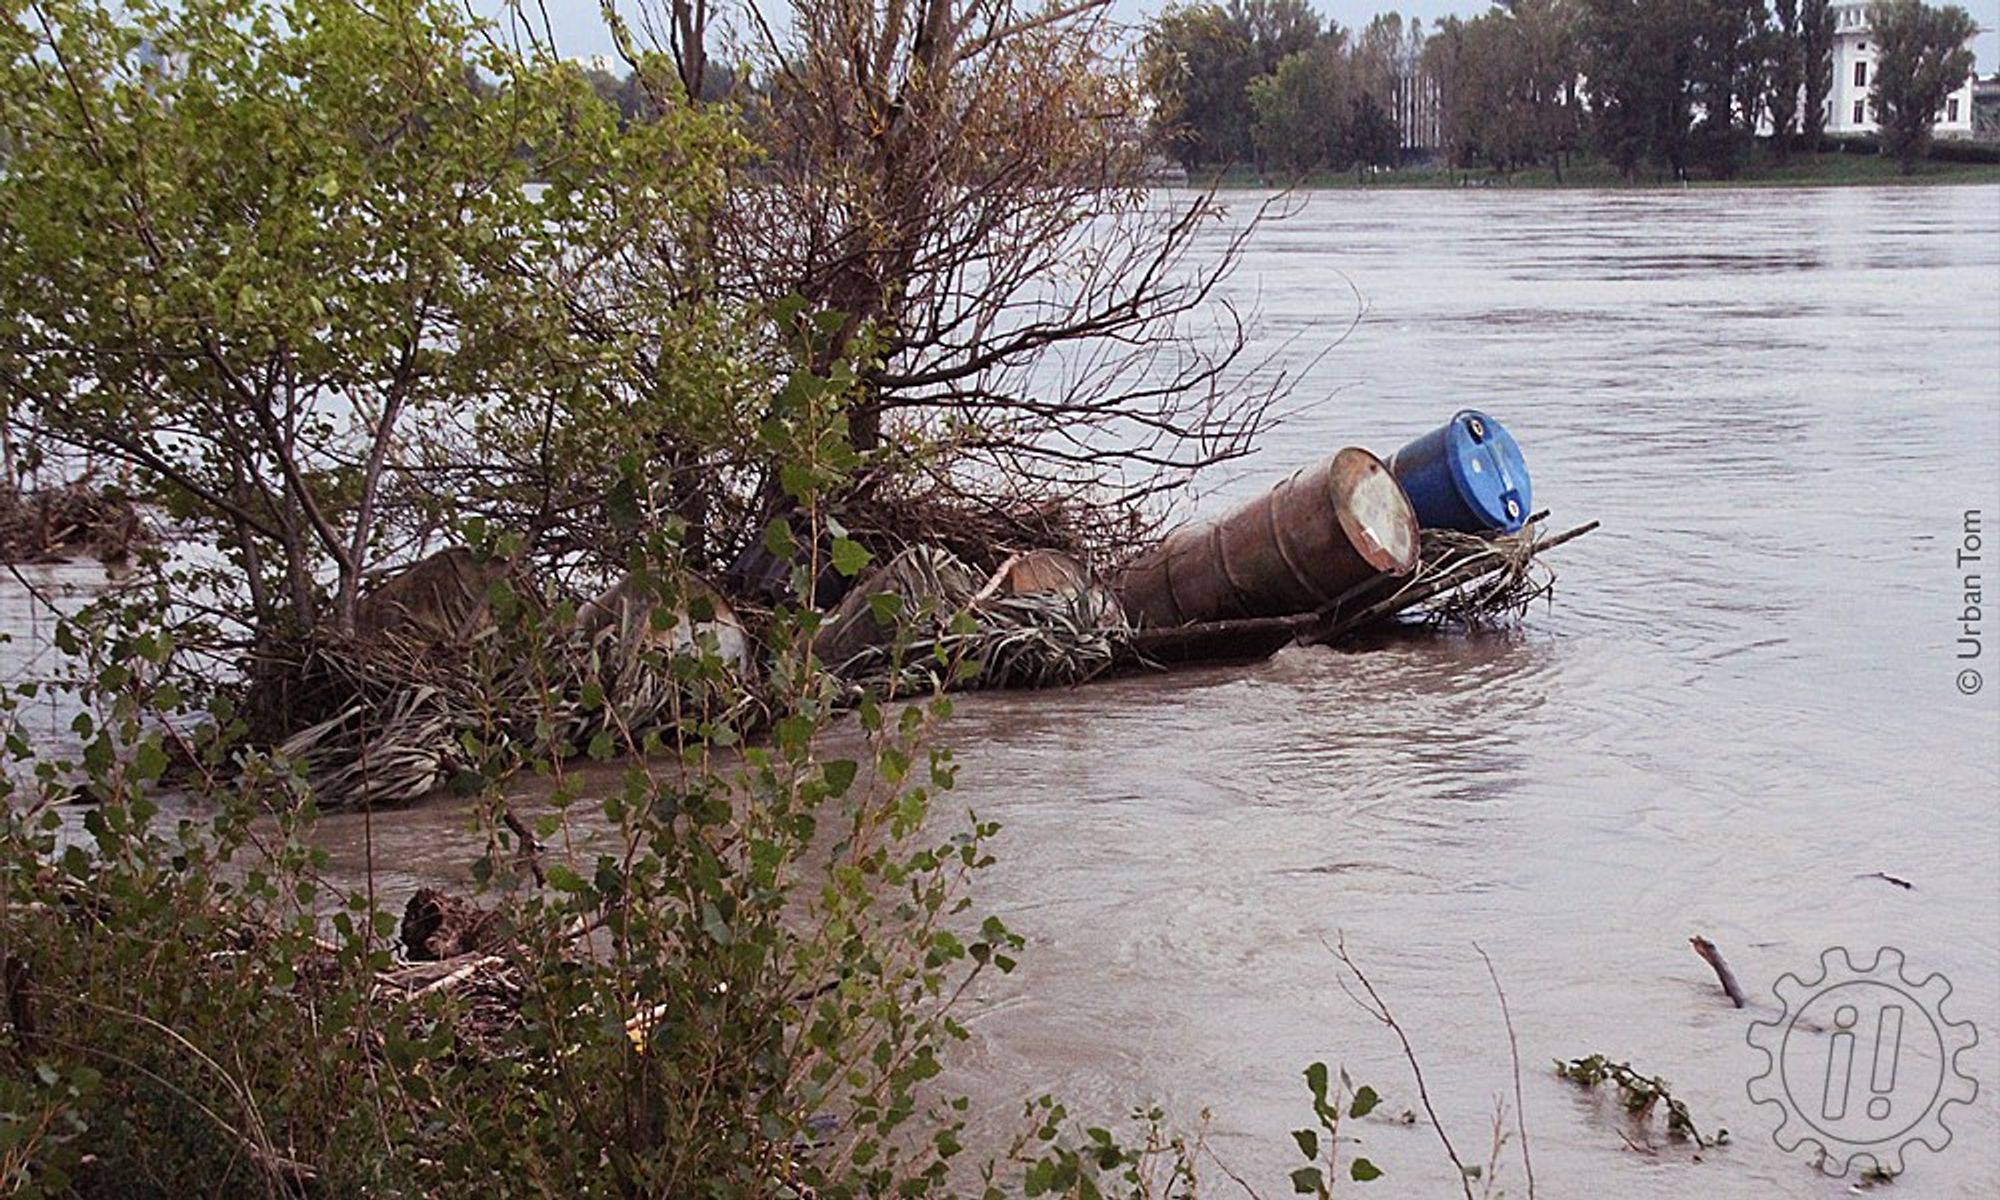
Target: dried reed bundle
(1041, 639)
(400, 714)
(983, 636)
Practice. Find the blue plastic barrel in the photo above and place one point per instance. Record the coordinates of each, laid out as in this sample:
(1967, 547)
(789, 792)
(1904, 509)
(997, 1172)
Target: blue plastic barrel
(1466, 475)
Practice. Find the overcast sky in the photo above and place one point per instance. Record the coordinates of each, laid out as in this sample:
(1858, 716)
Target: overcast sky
(580, 31)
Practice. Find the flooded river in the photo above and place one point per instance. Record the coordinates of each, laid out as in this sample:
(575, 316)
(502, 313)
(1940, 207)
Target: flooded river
(1740, 706)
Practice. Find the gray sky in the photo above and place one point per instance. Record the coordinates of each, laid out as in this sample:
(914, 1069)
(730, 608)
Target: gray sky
(580, 31)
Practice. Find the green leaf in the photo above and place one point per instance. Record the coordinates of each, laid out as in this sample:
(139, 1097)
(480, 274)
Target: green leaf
(1308, 1140)
(1365, 1101)
(796, 480)
(1363, 1171)
(1316, 1080)
(778, 538)
(849, 557)
(885, 607)
(150, 761)
(1308, 1181)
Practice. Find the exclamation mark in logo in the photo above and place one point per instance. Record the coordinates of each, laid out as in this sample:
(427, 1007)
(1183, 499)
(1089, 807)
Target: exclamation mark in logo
(1888, 1048)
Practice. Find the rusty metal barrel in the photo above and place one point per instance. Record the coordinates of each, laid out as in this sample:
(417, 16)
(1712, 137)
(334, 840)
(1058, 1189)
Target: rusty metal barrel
(1305, 543)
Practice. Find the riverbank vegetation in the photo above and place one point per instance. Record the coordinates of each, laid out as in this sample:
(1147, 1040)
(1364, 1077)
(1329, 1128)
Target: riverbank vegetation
(1679, 91)
(1863, 167)
(338, 290)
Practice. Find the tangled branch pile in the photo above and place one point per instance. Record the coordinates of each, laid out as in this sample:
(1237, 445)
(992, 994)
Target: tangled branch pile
(54, 524)
(458, 660)
(441, 677)
(1463, 579)
(926, 621)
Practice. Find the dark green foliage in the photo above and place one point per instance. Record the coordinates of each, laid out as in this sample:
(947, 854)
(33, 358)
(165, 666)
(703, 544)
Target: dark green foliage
(1921, 57)
(274, 263)
(1815, 50)
(1298, 110)
(1334, 1100)
(1676, 90)
(1730, 85)
(1507, 85)
(1636, 56)
(1679, 84)
(1325, 108)
(725, 949)
(1199, 62)
(1959, 150)
(775, 937)
(1371, 134)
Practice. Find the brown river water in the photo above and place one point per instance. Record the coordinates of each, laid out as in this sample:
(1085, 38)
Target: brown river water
(1743, 702)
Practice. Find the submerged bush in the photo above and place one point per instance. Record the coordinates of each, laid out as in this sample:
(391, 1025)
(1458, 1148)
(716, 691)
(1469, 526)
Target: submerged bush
(714, 969)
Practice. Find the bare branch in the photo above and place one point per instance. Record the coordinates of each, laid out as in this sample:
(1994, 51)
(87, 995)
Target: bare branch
(1377, 1008)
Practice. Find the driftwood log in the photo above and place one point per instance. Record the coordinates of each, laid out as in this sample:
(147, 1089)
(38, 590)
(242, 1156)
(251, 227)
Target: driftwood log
(1727, 978)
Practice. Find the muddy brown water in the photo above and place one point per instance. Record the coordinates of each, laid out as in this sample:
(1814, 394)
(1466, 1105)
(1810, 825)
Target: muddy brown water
(1741, 704)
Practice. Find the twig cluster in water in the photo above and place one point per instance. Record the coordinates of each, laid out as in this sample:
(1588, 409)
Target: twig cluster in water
(1641, 1094)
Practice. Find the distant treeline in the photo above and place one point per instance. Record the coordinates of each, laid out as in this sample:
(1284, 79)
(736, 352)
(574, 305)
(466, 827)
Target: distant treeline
(1678, 85)
(631, 97)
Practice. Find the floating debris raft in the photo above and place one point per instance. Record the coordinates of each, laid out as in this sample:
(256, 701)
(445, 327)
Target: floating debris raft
(1440, 532)
(1442, 529)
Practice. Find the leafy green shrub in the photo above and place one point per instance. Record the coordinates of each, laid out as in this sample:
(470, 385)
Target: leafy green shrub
(319, 277)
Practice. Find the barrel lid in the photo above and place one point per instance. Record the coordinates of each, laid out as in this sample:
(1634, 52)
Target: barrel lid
(1488, 470)
(1374, 512)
